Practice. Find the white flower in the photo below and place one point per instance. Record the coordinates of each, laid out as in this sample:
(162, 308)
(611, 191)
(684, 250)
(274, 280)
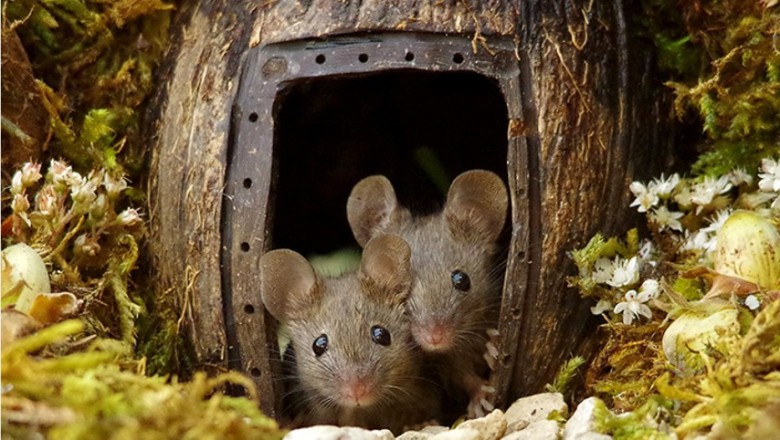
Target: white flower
(31, 173)
(634, 306)
(16, 183)
(700, 240)
(129, 217)
(625, 272)
(645, 253)
(114, 186)
(666, 219)
(602, 306)
(751, 302)
(663, 187)
(83, 190)
(649, 288)
(99, 207)
(602, 270)
(738, 176)
(46, 201)
(705, 191)
(20, 203)
(770, 178)
(645, 199)
(61, 175)
(683, 196)
(717, 221)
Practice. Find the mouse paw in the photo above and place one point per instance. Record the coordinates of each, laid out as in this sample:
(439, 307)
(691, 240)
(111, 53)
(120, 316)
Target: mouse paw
(479, 405)
(491, 349)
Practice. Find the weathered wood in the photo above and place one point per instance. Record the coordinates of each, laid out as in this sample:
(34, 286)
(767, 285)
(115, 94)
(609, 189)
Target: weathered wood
(597, 121)
(25, 119)
(585, 120)
(288, 20)
(188, 129)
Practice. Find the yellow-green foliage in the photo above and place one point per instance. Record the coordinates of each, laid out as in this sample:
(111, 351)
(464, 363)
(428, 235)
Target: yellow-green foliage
(598, 247)
(94, 60)
(565, 375)
(737, 92)
(99, 393)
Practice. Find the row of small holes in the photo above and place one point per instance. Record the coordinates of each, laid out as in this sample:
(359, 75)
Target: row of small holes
(320, 59)
(457, 58)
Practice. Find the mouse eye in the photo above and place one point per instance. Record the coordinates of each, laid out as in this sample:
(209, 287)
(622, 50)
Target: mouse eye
(320, 345)
(380, 335)
(461, 281)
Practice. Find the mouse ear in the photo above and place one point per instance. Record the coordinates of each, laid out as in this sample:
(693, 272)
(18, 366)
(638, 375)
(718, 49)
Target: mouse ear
(386, 268)
(476, 206)
(287, 283)
(372, 207)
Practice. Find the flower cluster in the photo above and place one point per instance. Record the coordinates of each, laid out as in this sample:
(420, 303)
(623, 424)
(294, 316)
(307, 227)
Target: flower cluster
(622, 275)
(67, 205)
(692, 210)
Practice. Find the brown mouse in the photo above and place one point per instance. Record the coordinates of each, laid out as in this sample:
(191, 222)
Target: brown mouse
(355, 360)
(456, 291)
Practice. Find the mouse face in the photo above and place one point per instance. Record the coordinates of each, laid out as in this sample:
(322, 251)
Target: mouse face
(454, 296)
(454, 292)
(352, 350)
(351, 337)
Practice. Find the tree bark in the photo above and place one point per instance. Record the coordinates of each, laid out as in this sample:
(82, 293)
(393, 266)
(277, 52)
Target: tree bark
(593, 121)
(597, 121)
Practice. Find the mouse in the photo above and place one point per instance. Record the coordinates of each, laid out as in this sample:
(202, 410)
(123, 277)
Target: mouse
(355, 363)
(455, 298)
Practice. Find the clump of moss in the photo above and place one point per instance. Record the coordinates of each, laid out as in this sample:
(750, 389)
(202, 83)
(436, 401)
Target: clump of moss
(94, 62)
(55, 389)
(736, 89)
(709, 375)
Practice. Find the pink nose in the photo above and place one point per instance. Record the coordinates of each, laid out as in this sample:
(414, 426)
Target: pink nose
(433, 337)
(357, 390)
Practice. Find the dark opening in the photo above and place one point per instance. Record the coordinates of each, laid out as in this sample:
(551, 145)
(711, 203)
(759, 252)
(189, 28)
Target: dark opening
(420, 129)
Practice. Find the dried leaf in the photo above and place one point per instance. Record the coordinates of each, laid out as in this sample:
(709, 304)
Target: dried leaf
(49, 308)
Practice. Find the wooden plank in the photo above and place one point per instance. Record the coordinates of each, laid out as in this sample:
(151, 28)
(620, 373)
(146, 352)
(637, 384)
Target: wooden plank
(288, 20)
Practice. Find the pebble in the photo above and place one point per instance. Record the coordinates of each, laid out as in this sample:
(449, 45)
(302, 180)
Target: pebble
(527, 410)
(539, 430)
(490, 427)
(458, 434)
(327, 432)
(582, 424)
(526, 419)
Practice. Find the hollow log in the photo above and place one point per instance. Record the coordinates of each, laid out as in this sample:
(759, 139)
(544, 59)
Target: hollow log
(590, 119)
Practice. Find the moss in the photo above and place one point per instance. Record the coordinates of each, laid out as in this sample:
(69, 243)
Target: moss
(566, 373)
(102, 393)
(586, 257)
(97, 58)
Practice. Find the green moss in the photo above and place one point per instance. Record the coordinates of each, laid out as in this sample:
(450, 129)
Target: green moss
(566, 373)
(689, 288)
(101, 393)
(586, 257)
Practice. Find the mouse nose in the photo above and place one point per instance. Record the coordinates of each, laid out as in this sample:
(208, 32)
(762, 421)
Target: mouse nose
(433, 337)
(357, 390)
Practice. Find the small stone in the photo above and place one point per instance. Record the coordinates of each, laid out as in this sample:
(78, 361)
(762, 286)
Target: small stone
(327, 432)
(594, 436)
(527, 410)
(539, 430)
(490, 427)
(414, 435)
(434, 429)
(582, 424)
(458, 434)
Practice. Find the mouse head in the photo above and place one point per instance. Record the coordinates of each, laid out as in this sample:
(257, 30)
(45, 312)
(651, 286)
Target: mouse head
(475, 210)
(453, 252)
(350, 335)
